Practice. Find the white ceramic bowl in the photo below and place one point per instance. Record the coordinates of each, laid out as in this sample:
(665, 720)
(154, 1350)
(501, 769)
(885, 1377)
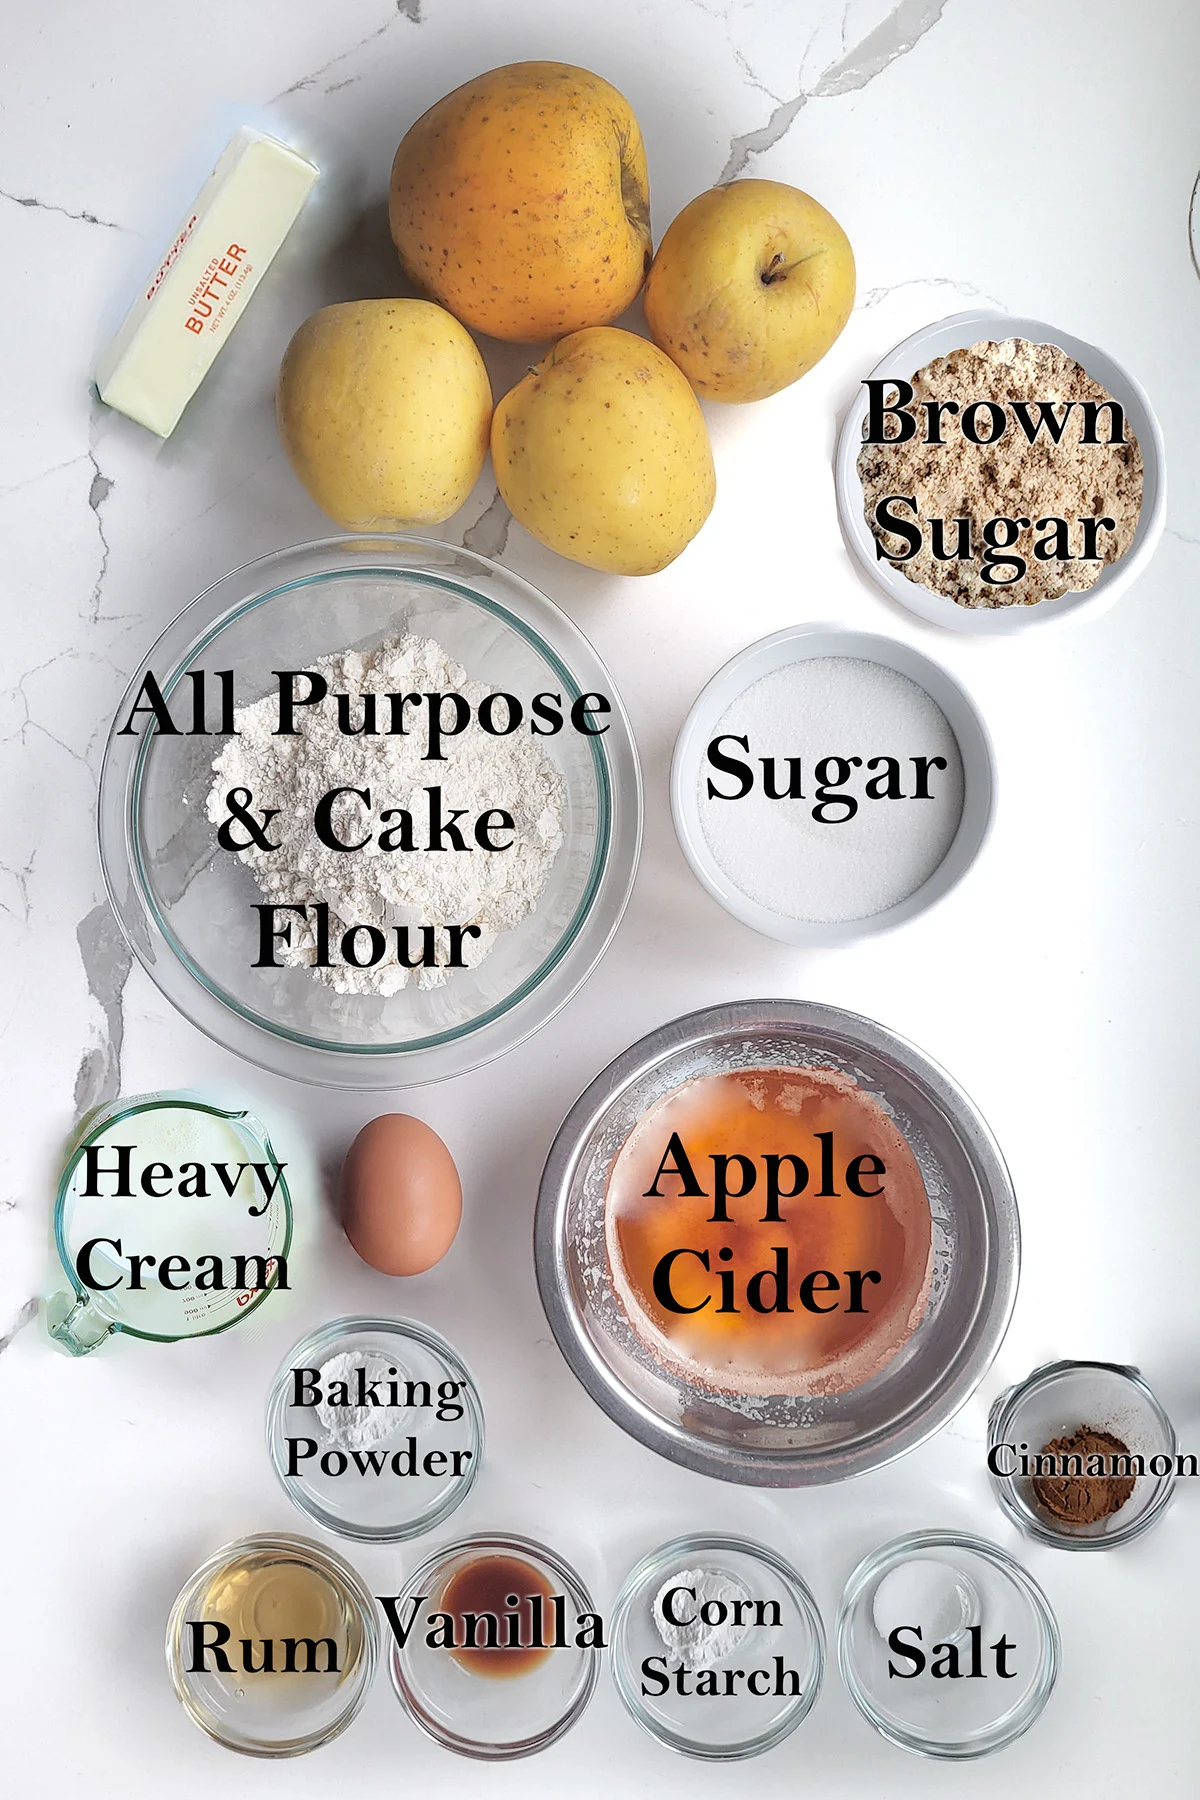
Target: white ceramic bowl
(957, 333)
(801, 642)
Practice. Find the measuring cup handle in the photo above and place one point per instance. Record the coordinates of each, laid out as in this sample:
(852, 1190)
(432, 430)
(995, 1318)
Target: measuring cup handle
(74, 1322)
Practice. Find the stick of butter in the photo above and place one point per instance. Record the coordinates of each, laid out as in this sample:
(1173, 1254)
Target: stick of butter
(178, 323)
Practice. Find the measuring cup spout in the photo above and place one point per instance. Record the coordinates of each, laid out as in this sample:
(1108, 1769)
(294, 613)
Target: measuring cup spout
(76, 1323)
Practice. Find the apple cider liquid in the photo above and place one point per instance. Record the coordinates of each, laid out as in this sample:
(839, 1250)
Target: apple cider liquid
(768, 1232)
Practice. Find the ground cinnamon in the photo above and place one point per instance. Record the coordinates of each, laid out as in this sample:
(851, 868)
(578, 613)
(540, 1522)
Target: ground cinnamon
(1081, 1499)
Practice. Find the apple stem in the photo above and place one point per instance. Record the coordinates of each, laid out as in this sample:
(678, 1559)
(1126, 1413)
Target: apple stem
(773, 271)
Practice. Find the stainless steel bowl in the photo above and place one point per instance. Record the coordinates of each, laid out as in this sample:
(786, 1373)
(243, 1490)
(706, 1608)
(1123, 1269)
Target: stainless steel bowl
(783, 1440)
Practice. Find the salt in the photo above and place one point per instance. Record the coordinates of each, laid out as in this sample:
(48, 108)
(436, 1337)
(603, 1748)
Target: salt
(927, 1593)
(834, 869)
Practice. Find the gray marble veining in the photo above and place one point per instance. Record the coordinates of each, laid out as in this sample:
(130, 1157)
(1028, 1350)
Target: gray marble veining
(488, 536)
(50, 206)
(107, 960)
(894, 36)
(404, 9)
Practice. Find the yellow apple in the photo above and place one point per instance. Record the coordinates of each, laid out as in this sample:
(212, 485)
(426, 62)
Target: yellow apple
(750, 287)
(384, 408)
(603, 454)
(521, 202)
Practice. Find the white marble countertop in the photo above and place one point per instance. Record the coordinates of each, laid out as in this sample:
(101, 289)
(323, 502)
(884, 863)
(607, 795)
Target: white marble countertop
(1039, 154)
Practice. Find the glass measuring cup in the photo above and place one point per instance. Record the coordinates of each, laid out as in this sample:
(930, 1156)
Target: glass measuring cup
(155, 1239)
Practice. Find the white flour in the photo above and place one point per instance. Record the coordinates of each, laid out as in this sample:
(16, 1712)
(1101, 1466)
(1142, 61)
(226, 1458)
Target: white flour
(493, 890)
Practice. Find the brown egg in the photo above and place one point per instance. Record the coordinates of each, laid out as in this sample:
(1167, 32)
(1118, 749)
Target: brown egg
(400, 1196)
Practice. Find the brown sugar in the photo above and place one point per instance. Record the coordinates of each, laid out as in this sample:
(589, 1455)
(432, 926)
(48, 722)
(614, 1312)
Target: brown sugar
(1007, 477)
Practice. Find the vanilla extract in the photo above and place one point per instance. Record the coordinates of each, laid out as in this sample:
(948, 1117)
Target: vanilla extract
(498, 1616)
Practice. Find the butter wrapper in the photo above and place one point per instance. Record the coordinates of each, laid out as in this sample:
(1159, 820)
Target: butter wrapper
(175, 328)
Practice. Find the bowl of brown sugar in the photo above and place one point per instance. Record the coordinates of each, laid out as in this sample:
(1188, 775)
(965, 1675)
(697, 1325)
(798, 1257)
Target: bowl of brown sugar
(994, 471)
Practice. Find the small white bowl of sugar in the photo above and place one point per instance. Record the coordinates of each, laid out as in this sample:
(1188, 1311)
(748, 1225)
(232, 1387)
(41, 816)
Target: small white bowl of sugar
(830, 784)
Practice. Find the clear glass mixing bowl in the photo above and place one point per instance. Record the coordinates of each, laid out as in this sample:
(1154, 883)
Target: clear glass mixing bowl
(784, 1629)
(184, 904)
(277, 1713)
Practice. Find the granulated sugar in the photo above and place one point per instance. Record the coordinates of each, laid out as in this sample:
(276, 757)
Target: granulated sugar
(832, 868)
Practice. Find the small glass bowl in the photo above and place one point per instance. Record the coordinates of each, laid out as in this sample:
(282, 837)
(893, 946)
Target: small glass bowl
(476, 1715)
(185, 905)
(721, 1728)
(392, 1505)
(950, 1719)
(277, 1714)
(1055, 1401)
